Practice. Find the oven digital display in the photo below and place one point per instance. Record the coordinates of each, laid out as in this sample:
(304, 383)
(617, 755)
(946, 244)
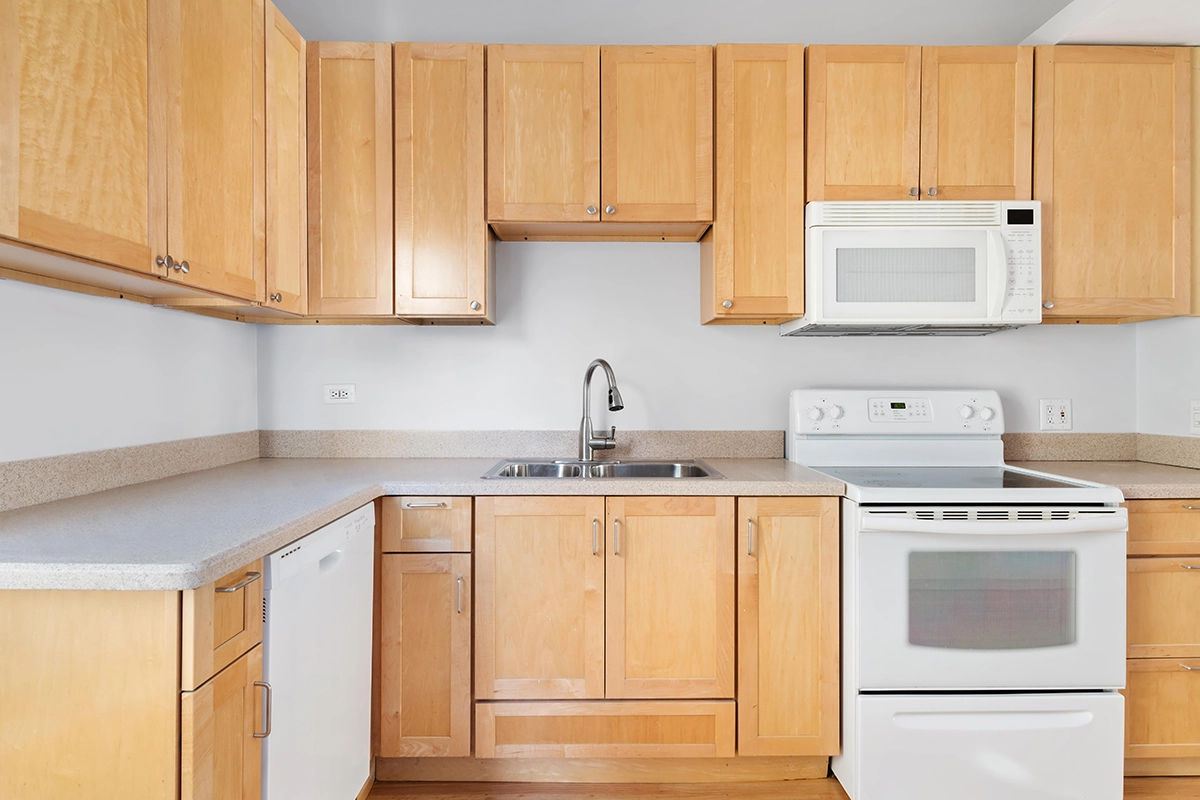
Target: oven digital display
(899, 405)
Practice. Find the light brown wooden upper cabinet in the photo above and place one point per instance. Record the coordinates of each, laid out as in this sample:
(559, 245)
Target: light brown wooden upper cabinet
(1113, 172)
(752, 260)
(444, 250)
(287, 166)
(83, 139)
(350, 245)
(908, 123)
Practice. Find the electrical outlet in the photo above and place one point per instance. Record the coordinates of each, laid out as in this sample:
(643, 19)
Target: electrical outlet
(1195, 419)
(339, 393)
(1055, 415)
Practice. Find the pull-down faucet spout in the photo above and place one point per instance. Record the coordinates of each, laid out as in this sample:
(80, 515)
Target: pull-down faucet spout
(589, 443)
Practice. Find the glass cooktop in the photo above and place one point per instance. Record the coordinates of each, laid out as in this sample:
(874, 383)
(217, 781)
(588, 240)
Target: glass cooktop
(944, 478)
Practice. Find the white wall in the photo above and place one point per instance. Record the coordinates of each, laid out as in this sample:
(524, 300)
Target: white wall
(82, 373)
(560, 305)
(1168, 374)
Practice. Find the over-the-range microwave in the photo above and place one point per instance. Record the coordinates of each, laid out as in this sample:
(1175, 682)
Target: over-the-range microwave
(956, 268)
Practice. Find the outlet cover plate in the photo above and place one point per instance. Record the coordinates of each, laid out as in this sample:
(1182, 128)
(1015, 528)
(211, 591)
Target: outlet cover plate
(1195, 418)
(336, 393)
(1055, 414)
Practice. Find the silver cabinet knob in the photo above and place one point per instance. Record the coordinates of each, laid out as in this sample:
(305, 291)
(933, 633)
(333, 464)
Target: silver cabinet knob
(277, 297)
(591, 209)
(182, 266)
(932, 191)
(474, 305)
(165, 261)
(915, 192)
(1048, 304)
(610, 210)
(727, 304)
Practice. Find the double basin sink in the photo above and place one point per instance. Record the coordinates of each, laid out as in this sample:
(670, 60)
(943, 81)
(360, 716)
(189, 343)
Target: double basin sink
(603, 469)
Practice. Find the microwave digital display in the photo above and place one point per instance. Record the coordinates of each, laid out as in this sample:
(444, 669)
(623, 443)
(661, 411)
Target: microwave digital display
(1020, 216)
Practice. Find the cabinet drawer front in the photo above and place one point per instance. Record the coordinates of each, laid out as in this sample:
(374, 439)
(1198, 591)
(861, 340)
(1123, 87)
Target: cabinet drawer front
(427, 524)
(1164, 527)
(1162, 709)
(605, 729)
(221, 621)
(1164, 607)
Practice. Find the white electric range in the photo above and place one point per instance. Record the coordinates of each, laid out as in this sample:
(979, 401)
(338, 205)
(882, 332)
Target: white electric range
(983, 606)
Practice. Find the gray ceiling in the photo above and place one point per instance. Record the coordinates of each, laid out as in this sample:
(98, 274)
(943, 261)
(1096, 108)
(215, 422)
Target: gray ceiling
(931, 22)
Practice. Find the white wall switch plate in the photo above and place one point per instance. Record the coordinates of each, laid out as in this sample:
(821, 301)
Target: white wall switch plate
(1195, 418)
(1055, 415)
(339, 393)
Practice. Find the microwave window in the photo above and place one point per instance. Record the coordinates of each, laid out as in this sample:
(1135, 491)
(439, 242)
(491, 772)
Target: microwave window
(906, 274)
(991, 600)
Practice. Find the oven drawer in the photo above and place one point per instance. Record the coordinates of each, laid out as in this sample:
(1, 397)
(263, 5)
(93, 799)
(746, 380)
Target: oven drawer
(990, 747)
(1164, 607)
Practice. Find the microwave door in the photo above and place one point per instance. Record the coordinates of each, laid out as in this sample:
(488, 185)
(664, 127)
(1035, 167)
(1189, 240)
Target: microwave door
(907, 274)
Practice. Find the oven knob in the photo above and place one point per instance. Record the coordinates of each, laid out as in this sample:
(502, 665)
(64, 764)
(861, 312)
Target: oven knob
(836, 412)
(815, 413)
(966, 412)
(987, 414)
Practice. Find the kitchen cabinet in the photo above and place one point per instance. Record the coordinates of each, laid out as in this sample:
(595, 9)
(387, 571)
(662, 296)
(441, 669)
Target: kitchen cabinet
(789, 603)
(1162, 710)
(426, 524)
(752, 260)
(221, 732)
(444, 250)
(1164, 527)
(539, 589)
(350, 234)
(669, 598)
(1112, 169)
(287, 166)
(1164, 607)
(221, 622)
(909, 123)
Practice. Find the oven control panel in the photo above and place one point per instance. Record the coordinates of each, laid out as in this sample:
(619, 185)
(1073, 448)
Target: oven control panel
(899, 409)
(930, 412)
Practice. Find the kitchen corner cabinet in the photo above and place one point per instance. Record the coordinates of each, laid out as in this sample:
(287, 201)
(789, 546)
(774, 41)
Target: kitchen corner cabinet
(788, 626)
(444, 250)
(221, 731)
(1112, 169)
(350, 234)
(752, 259)
(913, 123)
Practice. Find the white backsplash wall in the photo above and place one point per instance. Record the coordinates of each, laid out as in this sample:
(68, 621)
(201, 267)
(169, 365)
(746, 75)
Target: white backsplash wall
(559, 305)
(1168, 374)
(81, 373)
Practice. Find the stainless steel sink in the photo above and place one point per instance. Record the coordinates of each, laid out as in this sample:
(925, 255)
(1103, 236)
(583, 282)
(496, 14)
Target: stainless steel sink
(689, 468)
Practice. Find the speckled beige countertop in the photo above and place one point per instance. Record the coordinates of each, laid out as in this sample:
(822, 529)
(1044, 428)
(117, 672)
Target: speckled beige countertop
(185, 531)
(1137, 480)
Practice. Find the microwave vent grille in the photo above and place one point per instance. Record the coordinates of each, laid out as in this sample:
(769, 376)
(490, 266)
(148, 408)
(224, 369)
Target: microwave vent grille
(919, 213)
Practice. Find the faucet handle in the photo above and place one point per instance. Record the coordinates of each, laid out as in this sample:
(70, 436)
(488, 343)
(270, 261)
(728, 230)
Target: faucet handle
(612, 437)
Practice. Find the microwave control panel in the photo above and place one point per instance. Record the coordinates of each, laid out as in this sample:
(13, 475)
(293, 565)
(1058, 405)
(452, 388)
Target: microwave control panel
(1021, 230)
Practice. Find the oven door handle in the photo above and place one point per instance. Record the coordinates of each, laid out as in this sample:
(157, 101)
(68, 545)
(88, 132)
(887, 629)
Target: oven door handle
(1115, 523)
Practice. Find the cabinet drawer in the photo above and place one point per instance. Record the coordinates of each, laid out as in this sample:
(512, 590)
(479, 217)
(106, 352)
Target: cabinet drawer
(1164, 527)
(1162, 708)
(221, 621)
(1164, 607)
(605, 729)
(427, 524)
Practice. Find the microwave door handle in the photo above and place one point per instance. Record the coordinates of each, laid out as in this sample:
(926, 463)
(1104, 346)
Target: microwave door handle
(997, 272)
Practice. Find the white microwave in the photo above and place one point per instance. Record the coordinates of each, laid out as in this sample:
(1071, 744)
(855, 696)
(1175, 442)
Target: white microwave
(920, 268)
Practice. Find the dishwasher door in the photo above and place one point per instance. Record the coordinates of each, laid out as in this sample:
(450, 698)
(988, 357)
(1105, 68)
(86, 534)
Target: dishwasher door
(317, 608)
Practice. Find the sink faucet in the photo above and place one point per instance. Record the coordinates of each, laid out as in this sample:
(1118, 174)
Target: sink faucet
(587, 442)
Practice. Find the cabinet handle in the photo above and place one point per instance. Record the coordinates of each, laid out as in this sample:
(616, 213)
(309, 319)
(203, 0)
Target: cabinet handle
(250, 578)
(1190, 669)
(277, 297)
(727, 304)
(424, 505)
(1048, 304)
(595, 536)
(182, 266)
(749, 536)
(914, 192)
(1192, 508)
(266, 710)
(165, 261)
(616, 537)
(610, 210)
(474, 305)
(933, 191)
(1190, 566)
(591, 209)
(458, 584)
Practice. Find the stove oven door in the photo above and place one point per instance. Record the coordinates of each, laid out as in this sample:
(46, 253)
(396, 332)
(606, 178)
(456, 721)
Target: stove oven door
(958, 605)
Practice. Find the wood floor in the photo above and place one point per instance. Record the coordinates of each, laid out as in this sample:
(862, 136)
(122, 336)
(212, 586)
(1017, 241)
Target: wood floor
(828, 789)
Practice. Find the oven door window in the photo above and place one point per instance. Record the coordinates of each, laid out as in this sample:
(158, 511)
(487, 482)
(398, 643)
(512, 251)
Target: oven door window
(991, 600)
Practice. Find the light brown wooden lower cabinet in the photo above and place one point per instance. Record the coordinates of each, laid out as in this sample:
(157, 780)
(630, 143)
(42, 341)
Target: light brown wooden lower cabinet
(221, 621)
(1162, 708)
(219, 754)
(605, 729)
(1164, 607)
(1164, 527)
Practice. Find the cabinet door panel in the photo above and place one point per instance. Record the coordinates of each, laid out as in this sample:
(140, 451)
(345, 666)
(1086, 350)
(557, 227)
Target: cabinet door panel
(82, 142)
(788, 602)
(1112, 149)
(350, 233)
(656, 145)
(864, 122)
(442, 247)
(1164, 607)
(287, 165)
(669, 597)
(543, 133)
(1162, 709)
(1164, 527)
(219, 756)
(977, 123)
(426, 524)
(425, 655)
(540, 598)
(754, 255)
(216, 180)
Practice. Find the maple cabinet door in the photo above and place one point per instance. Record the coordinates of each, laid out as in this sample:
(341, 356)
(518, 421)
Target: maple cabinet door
(977, 123)
(656, 152)
(670, 597)
(1162, 708)
(864, 122)
(219, 755)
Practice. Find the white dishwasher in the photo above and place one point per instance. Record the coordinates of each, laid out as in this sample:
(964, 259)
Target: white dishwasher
(317, 607)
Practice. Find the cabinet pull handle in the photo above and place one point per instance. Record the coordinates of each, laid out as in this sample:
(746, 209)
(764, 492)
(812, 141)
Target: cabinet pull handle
(250, 578)
(749, 536)
(933, 191)
(424, 505)
(182, 266)
(610, 210)
(1192, 508)
(1190, 566)
(914, 192)
(1190, 669)
(165, 261)
(595, 536)
(591, 209)
(277, 297)
(474, 305)
(458, 584)
(616, 537)
(266, 710)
